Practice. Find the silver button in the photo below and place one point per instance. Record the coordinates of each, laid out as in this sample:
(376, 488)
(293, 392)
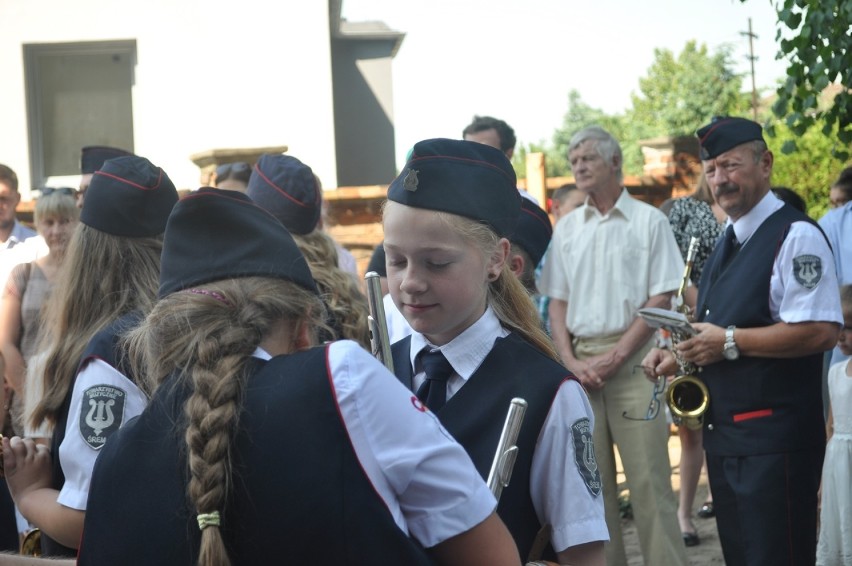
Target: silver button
(710, 427)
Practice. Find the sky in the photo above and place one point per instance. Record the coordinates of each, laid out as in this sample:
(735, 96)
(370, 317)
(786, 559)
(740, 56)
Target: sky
(517, 60)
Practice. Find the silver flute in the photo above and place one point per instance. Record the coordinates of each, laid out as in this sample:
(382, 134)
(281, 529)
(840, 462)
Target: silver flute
(507, 450)
(379, 340)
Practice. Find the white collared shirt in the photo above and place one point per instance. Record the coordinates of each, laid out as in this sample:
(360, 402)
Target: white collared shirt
(791, 301)
(559, 494)
(606, 266)
(430, 486)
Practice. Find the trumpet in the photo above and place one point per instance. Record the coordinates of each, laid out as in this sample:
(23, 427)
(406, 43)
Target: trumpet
(687, 396)
(507, 450)
(379, 340)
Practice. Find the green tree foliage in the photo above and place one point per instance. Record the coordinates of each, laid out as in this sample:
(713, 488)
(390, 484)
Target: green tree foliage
(580, 115)
(678, 95)
(681, 93)
(809, 169)
(814, 36)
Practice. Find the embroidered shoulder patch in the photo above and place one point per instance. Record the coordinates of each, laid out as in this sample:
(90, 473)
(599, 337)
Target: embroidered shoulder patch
(808, 270)
(101, 414)
(584, 455)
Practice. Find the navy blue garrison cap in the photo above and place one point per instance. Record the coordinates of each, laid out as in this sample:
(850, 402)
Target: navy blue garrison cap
(92, 157)
(726, 132)
(534, 230)
(287, 189)
(215, 234)
(129, 196)
(460, 177)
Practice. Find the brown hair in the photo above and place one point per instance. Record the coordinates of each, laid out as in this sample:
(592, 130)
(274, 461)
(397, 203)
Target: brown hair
(207, 340)
(846, 298)
(844, 182)
(8, 176)
(102, 277)
(702, 191)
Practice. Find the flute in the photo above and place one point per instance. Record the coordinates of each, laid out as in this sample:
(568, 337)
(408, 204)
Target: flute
(379, 340)
(507, 450)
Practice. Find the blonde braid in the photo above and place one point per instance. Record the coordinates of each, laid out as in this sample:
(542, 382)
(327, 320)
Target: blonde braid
(346, 303)
(208, 337)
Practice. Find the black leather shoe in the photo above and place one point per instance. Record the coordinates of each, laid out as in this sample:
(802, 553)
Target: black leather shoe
(706, 511)
(691, 539)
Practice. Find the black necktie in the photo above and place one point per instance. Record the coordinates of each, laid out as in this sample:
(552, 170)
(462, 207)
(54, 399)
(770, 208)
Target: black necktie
(730, 247)
(433, 391)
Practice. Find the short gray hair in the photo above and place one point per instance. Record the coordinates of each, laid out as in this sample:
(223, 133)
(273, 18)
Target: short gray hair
(758, 148)
(606, 145)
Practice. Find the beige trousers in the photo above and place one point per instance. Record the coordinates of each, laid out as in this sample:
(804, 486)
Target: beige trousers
(643, 447)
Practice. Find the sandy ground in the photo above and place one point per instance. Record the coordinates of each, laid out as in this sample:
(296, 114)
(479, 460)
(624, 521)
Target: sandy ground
(709, 551)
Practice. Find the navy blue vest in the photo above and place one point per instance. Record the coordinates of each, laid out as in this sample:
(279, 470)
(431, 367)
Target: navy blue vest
(757, 405)
(299, 494)
(104, 345)
(476, 413)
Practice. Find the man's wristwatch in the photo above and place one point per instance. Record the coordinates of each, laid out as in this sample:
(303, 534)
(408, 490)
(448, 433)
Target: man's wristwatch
(730, 350)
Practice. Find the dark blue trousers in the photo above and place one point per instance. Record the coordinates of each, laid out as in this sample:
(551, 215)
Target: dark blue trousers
(766, 507)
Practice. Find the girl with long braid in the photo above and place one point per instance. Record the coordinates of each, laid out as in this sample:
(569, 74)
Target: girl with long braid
(259, 447)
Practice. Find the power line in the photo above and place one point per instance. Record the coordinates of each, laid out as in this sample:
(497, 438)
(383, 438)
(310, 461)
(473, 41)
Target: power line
(751, 57)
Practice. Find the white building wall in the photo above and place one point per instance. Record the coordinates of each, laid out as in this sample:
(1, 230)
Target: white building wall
(209, 74)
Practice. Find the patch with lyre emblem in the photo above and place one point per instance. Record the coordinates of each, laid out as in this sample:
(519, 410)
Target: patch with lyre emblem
(101, 413)
(410, 181)
(808, 270)
(584, 455)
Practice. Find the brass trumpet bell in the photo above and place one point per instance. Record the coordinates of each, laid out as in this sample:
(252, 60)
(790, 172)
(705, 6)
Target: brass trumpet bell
(31, 543)
(688, 399)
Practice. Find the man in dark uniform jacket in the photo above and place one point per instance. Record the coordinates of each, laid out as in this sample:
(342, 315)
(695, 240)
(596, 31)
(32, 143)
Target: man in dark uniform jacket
(768, 306)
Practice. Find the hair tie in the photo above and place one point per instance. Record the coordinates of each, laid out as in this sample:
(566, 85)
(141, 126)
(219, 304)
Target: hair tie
(208, 520)
(213, 294)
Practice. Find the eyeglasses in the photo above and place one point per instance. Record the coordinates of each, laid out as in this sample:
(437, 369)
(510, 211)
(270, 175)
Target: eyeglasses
(225, 170)
(654, 405)
(68, 191)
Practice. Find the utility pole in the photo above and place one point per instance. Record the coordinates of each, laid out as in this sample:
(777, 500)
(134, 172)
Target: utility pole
(751, 58)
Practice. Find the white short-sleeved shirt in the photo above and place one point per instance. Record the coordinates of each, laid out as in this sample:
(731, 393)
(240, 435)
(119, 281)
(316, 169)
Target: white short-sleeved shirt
(424, 476)
(559, 493)
(792, 297)
(606, 266)
(89, 415)
(837, 225)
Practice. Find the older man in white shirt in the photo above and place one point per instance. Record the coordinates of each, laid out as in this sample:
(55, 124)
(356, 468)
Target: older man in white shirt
(609, 258)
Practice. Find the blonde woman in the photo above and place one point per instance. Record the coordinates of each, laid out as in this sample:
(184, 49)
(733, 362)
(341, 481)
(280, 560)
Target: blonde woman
(27, 289)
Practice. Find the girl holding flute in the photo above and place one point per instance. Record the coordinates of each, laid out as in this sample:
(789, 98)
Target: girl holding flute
(478, 342)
